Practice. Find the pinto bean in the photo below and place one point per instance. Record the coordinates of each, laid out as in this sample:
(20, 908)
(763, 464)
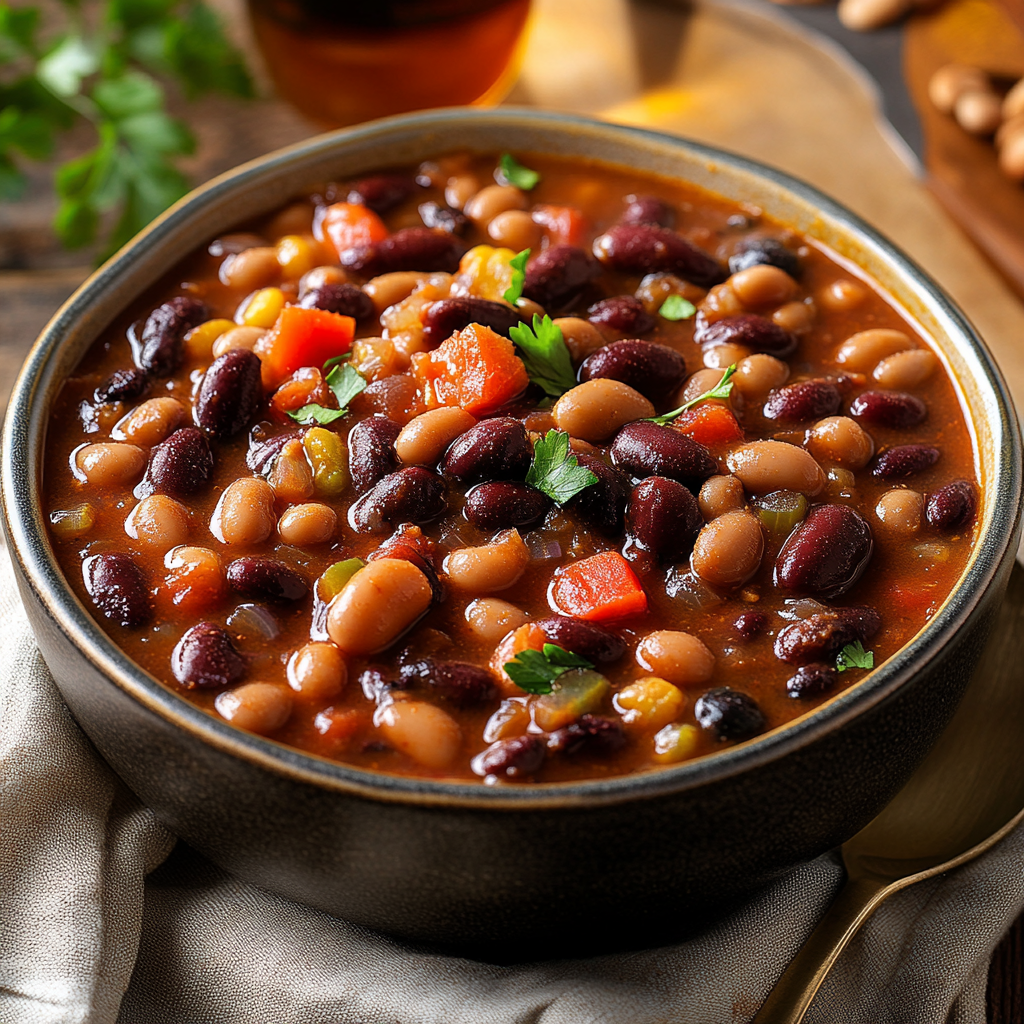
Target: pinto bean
(647, 248)
(424, 438)
(905, 369)
(756, 375)
(653, 370)
(827, 553)
(622, 313)
(371, 451)
(747, 329)
(317, 671)
(496, 449)
(206, 658)
(442, 319)
(409, 495)
(258, 707)
(408, 249)
(903, 460)
(581, 336)
(803, 401)
(895, 410)
(762, 285)
(158, 522)
(900, 510)
(680, 658)
(245, 512)
(504, 503)
(728, 550)
(820, 637)
(602, 505)
(108, 462)
(151, 422)
(489, 567)
(118, 588)
(586, 639)
(662, 521)
(230, 395)
(765, 466)
(952, 507)
(648, 449)
(595, 409)
(841, 440)
(862, 351)
(556, 276)
(424, 732)
(720, 494)
(266, 579)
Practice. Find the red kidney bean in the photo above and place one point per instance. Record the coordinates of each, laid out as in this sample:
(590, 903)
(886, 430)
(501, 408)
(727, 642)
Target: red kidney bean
(893, 409)
(371, 451)
(502, 504)
(410, 495)
(180, 466)
(442, 218)
(382, 192)
(952, 507)
(161, 351)
(409, 543)
(346, 299)
(904, 460)
(622, 313)
(647, 449)
(230, 394)
(729, 714)
(826, 553)
(263, 450)
(647, 248)
(408, 249)
(457, 681)
(118, 588)
(591, 734)
(750, 625)
(122, 386)
(662, 522)
(748, 329)
(811, 680)
(602, 505)
(752, 252)
(556, 276)
(512, 758)
(656, 371)
(822, 636)
(806, 400)
(497, 449)
(648, 210)
(266, 579)
(206, 658)
(590, 641)
(442, 319)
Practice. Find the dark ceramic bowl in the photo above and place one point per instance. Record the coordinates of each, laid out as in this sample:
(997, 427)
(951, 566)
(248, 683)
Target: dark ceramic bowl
(510, 870)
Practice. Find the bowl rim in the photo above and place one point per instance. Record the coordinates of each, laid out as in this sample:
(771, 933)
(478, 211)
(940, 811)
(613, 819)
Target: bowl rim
(29, 545)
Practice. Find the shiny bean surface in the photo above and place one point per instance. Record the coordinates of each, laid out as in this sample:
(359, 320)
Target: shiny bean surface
(595, 409)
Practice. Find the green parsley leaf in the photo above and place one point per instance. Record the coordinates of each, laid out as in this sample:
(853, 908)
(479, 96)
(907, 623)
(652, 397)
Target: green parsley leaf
(675, 307)
(518, 265)
(854, 656)
(346, 382)
(721, 390)
(535, 671)
(545, 355)
(516, 174)
(334, 361)
(554, 471)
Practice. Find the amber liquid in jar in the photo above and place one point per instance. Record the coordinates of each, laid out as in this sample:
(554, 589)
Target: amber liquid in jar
(345, 61)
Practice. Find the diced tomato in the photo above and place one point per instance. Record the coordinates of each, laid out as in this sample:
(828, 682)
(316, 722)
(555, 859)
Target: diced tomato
(601, 588)
(348, 225)
(710, 423)
(912, 600)
(194, 581)
(564, 225)
(475, 368)
(303, 387)
(302, 337)
(334, 729)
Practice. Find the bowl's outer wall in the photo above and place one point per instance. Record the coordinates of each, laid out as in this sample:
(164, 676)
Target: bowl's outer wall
(494, 870)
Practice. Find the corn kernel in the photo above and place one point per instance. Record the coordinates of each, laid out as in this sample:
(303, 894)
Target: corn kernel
(199, 341)
(676, 743)
(486, 271)
(328, 457)
(73, 522)
(649, 703)
(262, 308)
(297, 255)
(334, 578)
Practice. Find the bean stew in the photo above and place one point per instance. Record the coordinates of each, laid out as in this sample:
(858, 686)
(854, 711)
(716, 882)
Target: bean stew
(515, 469)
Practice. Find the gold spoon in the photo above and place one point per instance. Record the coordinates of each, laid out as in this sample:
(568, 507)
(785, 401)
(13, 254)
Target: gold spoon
(966, 796)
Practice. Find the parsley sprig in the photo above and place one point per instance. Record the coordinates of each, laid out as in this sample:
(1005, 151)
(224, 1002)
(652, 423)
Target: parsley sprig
(554, 471)
(518, 265)
(721, 390)
(535, 671)
(345, 381)
(675, 307)
(516, 174)
(854, 656)
(545, 355)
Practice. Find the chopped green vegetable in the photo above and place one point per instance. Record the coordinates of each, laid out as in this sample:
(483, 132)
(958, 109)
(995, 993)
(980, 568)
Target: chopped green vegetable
(328, 457)
(346, 382)
(780, 511)
(535, 671)
(545, 355)
(334, 361)
(518, 265)
(554, 471)
(516, 174)
(854, 656)
(721, 390)
(576, 692)
(675, 307)
(333, 579)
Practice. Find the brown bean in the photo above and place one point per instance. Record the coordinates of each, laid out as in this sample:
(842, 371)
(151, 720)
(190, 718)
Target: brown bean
(596, 409)
(310, 523)
(841, 440)
(108, 463)
(158, 522)
(763, 285)
(677, 657)
(720, 494)
(862, 351)
(765, 466)
(728, 550)
(905, 369)
(151, 422)
(425, 733)
(262, 708)
(489, 567)
(245, 512)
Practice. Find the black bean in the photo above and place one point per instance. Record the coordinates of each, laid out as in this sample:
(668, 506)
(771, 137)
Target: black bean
(442, 218)
(646, 248)
(601, 505)
(512, 758)
(266, 579)
(747, 329)
(590, 641)
(180, 466)
(904, 460)
(656, 371)
(206, 658)
(822, 636)
(230, 395)
(648, 449)
(557, 276)
(263, 450)
(893, 409)
(442, 319)
(118, 588)
(122, 386)
(662, 522)
(806, 400)
(622, 313)
(346, 299)
(591, 734)
(502, 504)
(409, 249)
(641, 209)
(410, 495)
(753, 252)
(729, 714)
(161, 351)
(952, 507)
(371, 451)
(497, 449)
(749, 625)
(463, 684)
(826, 553)
(382, 192)
(812, 680)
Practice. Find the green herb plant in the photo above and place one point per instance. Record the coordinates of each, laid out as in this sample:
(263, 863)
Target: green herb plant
(675, 307)
(723, 389)
(514, 173)
(345, 381)
(554, 471)
(518, 265)
(535, 671)
(854, 656)
(545, 355)
(106, 67)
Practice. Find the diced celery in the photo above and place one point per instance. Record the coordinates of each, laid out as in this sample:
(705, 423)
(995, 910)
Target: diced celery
(573, 693)
(328, 457)
(73, 522)
(676, 742)
(335, 577)
(780, 511)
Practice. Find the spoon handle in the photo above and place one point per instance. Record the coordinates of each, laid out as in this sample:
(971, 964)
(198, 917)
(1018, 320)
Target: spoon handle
(789, 999)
